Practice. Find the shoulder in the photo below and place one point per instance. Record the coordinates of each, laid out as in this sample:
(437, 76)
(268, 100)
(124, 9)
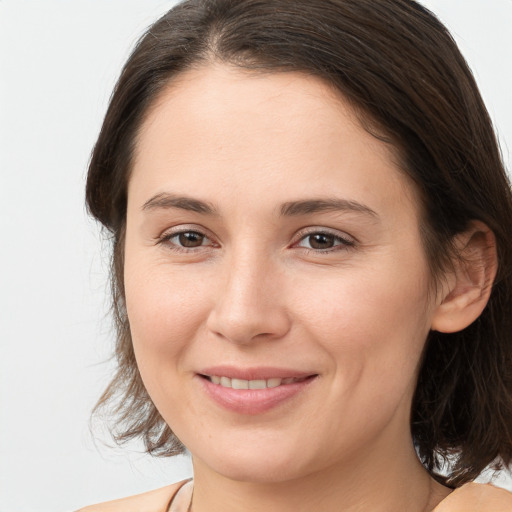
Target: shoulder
(477, 498)
(153, 501)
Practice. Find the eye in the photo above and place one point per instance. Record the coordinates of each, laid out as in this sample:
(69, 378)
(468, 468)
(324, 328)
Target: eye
(325, 241)
(189, 239)
(186, 239)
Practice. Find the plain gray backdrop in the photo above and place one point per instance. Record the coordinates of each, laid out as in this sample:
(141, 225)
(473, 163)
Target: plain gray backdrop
(58, 63)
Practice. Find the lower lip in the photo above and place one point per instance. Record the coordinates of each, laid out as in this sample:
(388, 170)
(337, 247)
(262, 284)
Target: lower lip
(253, 401)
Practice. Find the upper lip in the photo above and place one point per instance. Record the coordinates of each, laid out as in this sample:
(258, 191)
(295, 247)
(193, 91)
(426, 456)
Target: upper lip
(254, 373)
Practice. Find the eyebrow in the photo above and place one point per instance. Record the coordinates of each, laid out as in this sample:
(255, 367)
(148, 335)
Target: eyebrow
(309, 206)
(166, 201)
(288, 209)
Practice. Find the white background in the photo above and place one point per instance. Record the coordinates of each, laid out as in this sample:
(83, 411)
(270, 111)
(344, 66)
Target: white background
(58, 64)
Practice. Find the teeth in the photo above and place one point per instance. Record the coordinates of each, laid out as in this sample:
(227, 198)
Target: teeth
(251, 384)
(273, 383)
(257, 384)
(225, 382)
(239, 384)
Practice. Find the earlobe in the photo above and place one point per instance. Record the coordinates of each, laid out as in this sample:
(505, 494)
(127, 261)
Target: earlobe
(468, 287)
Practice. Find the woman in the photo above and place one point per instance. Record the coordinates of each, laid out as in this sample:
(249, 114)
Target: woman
(312, 259)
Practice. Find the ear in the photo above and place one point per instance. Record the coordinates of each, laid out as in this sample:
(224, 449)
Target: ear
(468, 286)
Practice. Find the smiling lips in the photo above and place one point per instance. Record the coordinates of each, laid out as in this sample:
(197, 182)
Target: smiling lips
(226, 382)
(253, 391)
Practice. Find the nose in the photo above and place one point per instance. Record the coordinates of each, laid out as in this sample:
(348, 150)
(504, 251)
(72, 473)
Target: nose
(250, 301)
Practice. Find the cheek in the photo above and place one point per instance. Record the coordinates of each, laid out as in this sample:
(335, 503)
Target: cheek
(387, 298)
(165, 309)
(372, 324)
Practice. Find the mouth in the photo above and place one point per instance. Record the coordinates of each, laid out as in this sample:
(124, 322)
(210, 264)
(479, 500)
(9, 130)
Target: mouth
(273, 382)
(254, 391)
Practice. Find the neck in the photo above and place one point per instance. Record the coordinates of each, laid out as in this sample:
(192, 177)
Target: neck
(383, 484)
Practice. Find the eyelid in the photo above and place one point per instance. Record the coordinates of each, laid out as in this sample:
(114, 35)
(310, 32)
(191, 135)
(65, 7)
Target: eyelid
(346, 239)
(166, 236)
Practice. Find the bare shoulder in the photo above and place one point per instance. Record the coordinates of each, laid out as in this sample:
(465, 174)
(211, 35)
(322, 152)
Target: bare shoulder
(153, 501)
(477, 498)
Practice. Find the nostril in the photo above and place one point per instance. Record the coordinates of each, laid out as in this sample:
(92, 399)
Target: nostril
(245, 325)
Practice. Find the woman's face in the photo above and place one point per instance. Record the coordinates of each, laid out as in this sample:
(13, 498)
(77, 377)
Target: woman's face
(272, 243)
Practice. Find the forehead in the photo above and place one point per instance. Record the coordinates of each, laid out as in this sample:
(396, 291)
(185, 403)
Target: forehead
(219, 125)
(251, 100)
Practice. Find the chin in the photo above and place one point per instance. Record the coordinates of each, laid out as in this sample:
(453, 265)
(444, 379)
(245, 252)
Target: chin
(254, 463)
(259, 473)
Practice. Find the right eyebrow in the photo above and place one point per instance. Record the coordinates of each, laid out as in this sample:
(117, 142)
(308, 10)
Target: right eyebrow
(166, 201)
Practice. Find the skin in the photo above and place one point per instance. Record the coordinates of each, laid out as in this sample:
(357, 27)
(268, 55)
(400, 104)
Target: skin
(257, 293)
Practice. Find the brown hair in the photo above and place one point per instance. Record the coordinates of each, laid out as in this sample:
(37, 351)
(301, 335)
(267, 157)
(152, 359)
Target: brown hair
(400, 68)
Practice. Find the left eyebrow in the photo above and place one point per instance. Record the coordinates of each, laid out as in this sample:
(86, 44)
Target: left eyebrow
(309, 206)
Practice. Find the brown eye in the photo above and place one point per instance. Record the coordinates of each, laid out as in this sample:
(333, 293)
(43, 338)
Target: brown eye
(321, 241)
(190, 239)
(324, 241)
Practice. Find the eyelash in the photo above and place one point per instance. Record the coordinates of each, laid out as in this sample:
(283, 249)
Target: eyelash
(166, 238)
(343, 243)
